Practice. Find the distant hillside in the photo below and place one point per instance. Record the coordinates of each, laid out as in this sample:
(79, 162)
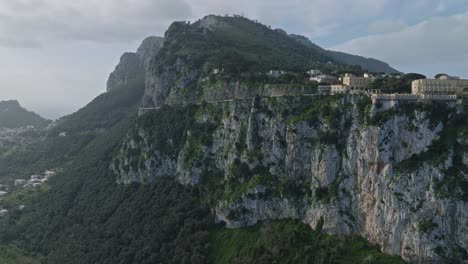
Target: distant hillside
(12, 115)
(369, 64)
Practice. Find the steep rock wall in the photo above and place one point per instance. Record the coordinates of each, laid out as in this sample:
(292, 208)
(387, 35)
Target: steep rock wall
(386, 175)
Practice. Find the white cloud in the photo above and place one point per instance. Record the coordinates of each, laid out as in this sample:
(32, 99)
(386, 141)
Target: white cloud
(313, 18)
(86, 20)
(39, 21)
(442, 6)
(387, 25)
(436, 44)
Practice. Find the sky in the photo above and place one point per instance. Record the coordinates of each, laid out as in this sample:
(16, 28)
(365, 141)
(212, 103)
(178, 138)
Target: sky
(56, 55)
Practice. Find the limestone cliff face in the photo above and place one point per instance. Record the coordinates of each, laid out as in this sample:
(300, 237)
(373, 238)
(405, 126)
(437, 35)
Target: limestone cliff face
(387, 175)
(133, 66)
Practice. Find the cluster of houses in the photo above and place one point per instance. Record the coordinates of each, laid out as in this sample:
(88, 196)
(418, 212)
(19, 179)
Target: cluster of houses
(444, 88)
(35, 181)
(350, 84)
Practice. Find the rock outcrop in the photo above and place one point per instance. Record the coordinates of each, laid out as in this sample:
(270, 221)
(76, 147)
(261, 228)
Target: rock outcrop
(384, 176)
(13, 116)
(133, 66)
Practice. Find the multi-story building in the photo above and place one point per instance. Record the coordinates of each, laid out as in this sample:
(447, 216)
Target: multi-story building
(444, 85)
(333, 89)
(356, 82)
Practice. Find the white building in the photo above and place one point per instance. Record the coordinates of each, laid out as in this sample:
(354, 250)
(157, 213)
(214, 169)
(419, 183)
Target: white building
(49, 173)
(324, 78)
(275, 73)
(19, 182)
(314, 72)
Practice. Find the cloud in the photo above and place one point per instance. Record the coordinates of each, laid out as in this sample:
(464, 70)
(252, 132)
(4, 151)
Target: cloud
(313, 18)
(439, 42)
(18, 43)
(442, 6)
(106, 21)
(387, 25)
(41, 21)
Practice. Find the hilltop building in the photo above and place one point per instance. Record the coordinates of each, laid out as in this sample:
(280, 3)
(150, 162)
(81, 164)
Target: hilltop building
(444, 85)
(357, 83)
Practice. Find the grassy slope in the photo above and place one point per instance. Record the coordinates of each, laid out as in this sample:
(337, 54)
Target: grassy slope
(290, 242)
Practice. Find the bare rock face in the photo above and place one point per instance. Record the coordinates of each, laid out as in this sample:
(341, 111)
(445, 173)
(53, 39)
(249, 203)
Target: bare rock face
(211, 22)
(148, 50)
(128, 69)
(268, 159)
(133, 66)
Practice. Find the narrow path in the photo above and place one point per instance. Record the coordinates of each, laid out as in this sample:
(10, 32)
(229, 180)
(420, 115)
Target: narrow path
(143, 110)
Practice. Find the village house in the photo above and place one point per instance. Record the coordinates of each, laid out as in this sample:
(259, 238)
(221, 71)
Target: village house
(49, 173)
(314, 72)
(19, 182)
(275, 73)
(324, 78)
(357, 83)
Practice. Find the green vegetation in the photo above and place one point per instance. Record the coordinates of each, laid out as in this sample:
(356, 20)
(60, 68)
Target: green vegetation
(237, 45)
(87, 218)
(10, 254)
(81, 127)
(314, 108)
(392, 84)
(289, 242)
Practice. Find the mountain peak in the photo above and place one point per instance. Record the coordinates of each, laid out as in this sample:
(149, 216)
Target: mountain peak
(211, 22)
(133, 65)
(12, 115)
(6, 105)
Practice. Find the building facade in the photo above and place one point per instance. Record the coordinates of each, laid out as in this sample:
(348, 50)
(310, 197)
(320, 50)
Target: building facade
(445, 85)
(356, 82)
(333, 89)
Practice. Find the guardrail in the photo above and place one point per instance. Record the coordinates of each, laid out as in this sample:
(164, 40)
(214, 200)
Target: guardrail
(144, 110)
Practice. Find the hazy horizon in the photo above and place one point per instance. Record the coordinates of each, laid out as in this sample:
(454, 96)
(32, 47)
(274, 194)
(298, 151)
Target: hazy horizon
(57, 55)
